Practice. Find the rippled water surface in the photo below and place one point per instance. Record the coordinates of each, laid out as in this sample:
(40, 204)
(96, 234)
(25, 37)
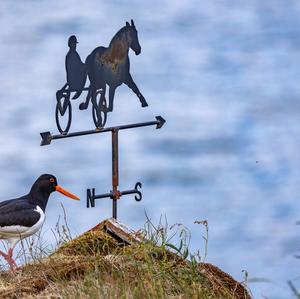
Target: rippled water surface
(224, 75)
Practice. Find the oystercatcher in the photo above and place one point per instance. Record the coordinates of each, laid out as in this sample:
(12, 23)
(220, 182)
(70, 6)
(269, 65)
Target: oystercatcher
(22, 217)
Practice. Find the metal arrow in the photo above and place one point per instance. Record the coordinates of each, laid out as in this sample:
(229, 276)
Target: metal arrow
(47, 137)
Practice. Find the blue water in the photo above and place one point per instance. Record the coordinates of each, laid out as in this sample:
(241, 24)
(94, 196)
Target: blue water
(224, 74)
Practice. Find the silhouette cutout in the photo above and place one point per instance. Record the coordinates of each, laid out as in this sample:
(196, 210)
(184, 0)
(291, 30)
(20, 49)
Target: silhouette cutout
(104, 66)
(75, 68)
(111, 66)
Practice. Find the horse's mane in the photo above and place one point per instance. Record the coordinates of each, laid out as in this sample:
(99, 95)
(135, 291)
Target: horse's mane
(118, 34)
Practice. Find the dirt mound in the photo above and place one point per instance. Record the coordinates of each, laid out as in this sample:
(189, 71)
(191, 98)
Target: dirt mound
(112, 261)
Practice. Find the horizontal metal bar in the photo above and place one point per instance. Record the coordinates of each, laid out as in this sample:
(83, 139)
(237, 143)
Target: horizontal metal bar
(47, 137)
(127, 192)
(111, 194)
(103, 195)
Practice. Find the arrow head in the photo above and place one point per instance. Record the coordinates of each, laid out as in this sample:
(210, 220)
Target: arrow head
(46, 138)
(161, 122)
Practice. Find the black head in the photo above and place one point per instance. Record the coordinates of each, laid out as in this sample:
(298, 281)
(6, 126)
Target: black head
(72, 42)
(44, 186)
(133, 38)
(46, 183)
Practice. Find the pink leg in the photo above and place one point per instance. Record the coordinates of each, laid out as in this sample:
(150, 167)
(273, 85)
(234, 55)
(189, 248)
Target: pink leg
(8, 257)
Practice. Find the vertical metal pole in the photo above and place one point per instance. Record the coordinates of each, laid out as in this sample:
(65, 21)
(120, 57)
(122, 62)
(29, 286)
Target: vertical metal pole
(115, 171)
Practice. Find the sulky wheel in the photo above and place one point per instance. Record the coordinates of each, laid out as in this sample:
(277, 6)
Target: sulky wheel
(102, 110)
(63, 113)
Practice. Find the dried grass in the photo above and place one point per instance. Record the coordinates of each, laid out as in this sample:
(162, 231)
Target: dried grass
(97, 265)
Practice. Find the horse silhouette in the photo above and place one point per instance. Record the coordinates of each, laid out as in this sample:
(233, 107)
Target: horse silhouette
(111, 66)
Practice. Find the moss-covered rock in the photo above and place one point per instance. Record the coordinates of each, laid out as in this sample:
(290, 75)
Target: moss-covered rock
(110, 261)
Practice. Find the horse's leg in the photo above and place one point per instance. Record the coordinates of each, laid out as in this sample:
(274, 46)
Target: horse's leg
(102, 97)
(130, 83)
(85, 104)
(93, 96)
(60, 91)
(66, 101)
(94, 102)
(112, 90)
(59, 95)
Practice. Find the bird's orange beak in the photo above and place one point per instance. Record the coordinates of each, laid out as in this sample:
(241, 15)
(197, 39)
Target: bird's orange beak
(66, 193)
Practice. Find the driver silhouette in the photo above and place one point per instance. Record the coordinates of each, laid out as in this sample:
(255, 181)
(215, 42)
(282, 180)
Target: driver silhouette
(76, 76)
(75, 68)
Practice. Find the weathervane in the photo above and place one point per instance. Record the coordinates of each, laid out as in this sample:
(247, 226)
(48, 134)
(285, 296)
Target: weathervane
(103, 67)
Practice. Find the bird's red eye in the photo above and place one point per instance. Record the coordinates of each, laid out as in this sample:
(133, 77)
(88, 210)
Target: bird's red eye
(51, 180)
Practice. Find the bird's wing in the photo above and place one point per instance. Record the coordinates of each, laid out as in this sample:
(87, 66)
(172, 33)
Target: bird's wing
(18, 212)
(5, 202)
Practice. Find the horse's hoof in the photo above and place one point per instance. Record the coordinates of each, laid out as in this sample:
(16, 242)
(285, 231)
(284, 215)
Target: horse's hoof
(144, 104)
(82, 106)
